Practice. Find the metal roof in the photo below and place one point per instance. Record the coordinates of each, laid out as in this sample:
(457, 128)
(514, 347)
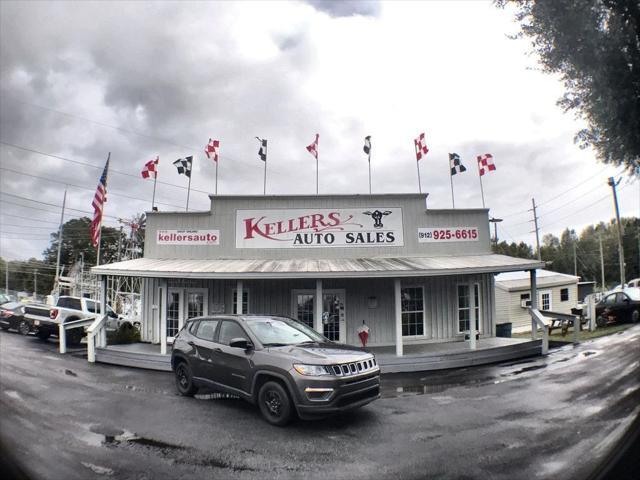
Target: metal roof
(314, 268)
(514, 281)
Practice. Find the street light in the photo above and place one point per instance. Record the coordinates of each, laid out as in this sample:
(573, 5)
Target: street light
(495, 222)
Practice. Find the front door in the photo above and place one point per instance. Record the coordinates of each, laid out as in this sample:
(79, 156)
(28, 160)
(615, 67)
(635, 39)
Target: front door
(333, 312)
(175, 312)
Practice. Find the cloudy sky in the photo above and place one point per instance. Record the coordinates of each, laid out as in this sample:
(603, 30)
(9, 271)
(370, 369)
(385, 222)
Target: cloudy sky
(140, 79)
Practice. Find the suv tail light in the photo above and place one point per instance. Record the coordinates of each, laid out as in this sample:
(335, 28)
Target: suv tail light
(53, 313)
(5, 313)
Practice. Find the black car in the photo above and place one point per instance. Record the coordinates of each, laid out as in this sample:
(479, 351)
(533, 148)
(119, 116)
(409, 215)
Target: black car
(621, 306)
(12, 316)
(278, 363)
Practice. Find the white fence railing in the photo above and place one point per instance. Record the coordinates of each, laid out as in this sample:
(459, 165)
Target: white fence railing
(96, 337)
(64, 327)
(537, 320)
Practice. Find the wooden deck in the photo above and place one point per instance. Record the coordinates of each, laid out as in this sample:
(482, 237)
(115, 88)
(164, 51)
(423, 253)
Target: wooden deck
(417, 358)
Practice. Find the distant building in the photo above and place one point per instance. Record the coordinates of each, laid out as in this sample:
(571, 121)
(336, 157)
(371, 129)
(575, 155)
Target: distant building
(557, 292)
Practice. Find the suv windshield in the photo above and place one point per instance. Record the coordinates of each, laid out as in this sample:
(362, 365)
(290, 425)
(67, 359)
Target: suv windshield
(282, 331)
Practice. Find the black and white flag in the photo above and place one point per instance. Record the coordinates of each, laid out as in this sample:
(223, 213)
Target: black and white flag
(184, 165)
(367, 145)
(262, 153)
(454, 163)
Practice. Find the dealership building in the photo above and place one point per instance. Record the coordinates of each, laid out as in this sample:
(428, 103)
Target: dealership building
(415, 276)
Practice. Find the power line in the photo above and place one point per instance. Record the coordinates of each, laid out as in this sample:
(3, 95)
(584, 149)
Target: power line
(30, 218)
(111, 192)
(52, 204)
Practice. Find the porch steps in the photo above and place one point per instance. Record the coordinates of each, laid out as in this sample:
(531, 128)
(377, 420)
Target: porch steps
(125, 358)
(440, 360)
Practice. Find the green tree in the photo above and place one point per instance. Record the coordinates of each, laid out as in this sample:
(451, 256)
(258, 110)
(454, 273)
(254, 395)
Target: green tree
(520, 250)
(594, 45)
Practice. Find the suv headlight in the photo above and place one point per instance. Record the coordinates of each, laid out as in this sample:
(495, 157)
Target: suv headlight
(313, 370)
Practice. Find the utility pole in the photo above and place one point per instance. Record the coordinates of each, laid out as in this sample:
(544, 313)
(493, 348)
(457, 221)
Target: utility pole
(495, 222)
(613, 184)
(6, 277)
(575, 259)
(35, 283)
(57, 282)
(119, 242)
(537, 230)
(601, 263)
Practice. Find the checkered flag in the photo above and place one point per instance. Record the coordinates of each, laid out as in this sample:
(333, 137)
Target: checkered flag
(262, 153)
(184, 165)
(150, 169)
(485, 163)
(212, 149)
(367, 145)
(421, 147)
(454, 163)
(313, 148)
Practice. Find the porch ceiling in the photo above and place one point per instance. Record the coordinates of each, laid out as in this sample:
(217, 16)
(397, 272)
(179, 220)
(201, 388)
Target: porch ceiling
(314, 268)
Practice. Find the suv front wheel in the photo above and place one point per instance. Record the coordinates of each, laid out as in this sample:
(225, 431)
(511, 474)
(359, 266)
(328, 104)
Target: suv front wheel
(275, 404)
(184, 380)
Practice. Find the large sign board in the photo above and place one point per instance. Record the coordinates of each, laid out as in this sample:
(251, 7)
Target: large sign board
(448, 234)
(320, 228)
(188, 237)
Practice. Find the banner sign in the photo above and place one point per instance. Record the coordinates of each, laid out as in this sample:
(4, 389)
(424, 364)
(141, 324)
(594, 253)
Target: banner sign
(447, 234)
(320, 227)
(188, 237)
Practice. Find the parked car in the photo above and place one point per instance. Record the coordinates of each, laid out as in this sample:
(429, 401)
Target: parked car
(634, 283)
(12, 317)
(4, 298)
(621, 306)
(277, 363)
(67, 309)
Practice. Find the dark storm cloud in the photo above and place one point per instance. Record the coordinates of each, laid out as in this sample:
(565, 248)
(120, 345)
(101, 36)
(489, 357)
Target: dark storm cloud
(346, 8)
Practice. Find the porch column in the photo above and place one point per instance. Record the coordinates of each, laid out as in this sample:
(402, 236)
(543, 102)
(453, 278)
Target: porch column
(398, 308)
(534, 302)
(472, 316)
(163, 316)
(239, 295)
(317, 317)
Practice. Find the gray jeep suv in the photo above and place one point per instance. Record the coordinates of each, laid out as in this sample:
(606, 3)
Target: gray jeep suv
(278, 363)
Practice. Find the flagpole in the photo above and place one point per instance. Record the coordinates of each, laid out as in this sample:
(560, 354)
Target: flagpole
(101, 217)
(419, 183)
(481, 190)
(316, 173)
(265, 175)
(369, 171)
(453, 200)
(216, 177)
(153, 199)
(57, 282)
(189, 187)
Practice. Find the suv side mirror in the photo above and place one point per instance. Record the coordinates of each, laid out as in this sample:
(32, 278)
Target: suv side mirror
(242, 343)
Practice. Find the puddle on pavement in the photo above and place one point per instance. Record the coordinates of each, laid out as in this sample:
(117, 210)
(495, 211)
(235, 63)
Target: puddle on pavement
(13, 394)
(102, 435)
(524, 370)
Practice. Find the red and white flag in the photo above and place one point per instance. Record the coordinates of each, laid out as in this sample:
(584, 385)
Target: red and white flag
(98, 205)
(150, 169)
(212, 149)
(485, 163)
(313, 148)
(421, 147)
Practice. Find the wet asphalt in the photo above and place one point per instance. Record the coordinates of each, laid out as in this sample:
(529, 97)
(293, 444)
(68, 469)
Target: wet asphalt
(560, 417)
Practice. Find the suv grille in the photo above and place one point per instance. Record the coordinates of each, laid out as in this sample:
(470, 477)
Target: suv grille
(354, 368)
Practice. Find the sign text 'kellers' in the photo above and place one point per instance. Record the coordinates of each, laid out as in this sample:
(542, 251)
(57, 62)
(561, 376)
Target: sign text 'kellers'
(338, 227)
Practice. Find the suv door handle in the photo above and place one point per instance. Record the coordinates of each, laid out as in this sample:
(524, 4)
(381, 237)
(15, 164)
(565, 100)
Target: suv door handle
(190, 343)
(216, 349)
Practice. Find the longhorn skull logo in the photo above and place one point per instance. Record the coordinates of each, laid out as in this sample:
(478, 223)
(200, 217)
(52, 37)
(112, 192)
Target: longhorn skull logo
(377, 217)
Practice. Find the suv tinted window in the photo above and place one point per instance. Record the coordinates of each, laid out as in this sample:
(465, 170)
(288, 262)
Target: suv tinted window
(206, 329)
(610, 300)
(68, 302)
(230, 330)
(91, 306)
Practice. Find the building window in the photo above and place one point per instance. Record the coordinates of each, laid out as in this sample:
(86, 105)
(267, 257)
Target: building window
(412, 311)
(304, 308)
(564, 294)
(195, 304)
(525, 296)
(464, 306)
(545, 300)
(245, 300)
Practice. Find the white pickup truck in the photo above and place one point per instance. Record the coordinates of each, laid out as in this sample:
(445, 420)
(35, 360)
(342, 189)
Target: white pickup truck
(46, 318)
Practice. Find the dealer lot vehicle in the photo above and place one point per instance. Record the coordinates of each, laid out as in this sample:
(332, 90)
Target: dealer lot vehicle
(620, 306)
(12, 317)
(46, 318)
(277, 363)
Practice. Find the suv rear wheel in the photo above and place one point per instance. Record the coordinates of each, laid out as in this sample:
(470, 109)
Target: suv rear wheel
(275, 404)
(24, 328)
(184, 380)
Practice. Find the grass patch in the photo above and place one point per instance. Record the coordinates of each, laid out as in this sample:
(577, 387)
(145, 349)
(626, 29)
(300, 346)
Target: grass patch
(583, 335)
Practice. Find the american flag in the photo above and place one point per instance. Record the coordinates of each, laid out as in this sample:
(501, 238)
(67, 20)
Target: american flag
(212, 149)
(485, 163)
(150, 169)
(421, 147)
(313, 148)
(98, 205)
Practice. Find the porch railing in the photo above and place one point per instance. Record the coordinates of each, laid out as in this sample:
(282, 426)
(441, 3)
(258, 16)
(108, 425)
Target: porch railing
(96, 337)
(537, 320)
(64, 327)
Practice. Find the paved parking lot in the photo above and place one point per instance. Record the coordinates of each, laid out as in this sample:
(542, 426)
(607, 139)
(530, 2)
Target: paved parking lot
(555, 417)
